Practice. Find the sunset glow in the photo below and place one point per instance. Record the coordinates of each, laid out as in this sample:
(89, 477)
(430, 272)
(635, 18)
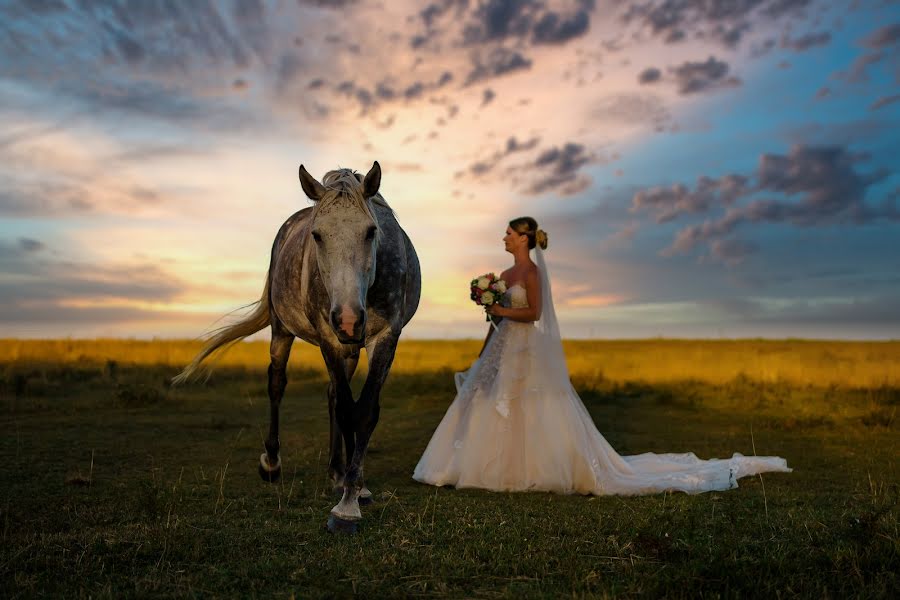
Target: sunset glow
(730, 173)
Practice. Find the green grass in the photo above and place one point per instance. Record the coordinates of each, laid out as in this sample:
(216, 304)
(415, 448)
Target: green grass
(114, 485)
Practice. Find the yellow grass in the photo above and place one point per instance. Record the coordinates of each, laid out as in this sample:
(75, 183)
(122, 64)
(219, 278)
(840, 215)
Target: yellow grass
(818, 363)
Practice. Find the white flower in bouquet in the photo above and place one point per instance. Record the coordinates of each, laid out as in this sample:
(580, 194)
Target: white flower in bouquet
(486, 290)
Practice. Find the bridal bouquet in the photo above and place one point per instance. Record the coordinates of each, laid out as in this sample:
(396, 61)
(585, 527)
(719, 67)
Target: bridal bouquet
(486, 290)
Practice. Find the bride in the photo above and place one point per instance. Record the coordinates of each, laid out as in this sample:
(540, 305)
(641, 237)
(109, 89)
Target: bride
(517, 423)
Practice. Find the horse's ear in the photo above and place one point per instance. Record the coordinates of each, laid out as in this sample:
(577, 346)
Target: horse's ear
(373, 180)
(313, 189)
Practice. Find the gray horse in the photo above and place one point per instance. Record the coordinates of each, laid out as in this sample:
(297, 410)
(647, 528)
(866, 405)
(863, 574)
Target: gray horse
(343, 275)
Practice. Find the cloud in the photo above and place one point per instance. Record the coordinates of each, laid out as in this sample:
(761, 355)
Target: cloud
(551, 28)
(62, 199)
(828, 187)
(30, 245)
(776, 9)
(153, 101)
(885, 101)
(513, 145)
(556, 169)
(591, 300)
(431, 12)
(43, 199)
(20, 248)
(883, 37)
(623, 236)
(158, 61)
(329, 4)
(633, 109)
(289, 70)
(669, 203)
(171, 38)
(502, 20)
(406, 167)
(805, 42)
(58, 320)
(59, 298)
(128, 48)
(414, 91)
(879, 42)
(112, 98)
(650, 75)
(497, 62)
(826, 313)
(64, 174)
(33, 289)
(695, 77)
(859, 70)
(384, 92)
(36, 7)
(495, 20)
(732, 252)
(723, 21)
(250, 19)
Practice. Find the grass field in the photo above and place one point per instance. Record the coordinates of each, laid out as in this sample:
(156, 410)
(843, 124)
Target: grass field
(113, 484)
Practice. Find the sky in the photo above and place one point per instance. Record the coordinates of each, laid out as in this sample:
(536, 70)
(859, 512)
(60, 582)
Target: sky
(703, 168)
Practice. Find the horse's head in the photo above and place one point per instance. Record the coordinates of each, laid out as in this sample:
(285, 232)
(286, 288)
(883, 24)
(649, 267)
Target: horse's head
(345, 232)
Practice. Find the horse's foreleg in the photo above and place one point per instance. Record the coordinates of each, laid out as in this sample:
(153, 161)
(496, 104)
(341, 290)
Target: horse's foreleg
(279, 352)
(336, 468)
(366, 412)
(348, 509)
(336, 464)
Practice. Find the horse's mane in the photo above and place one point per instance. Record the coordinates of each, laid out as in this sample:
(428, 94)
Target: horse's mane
(349, 182)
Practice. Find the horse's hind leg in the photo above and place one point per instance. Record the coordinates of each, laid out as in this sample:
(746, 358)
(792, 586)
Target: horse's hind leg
(336, 464)
(279, 352)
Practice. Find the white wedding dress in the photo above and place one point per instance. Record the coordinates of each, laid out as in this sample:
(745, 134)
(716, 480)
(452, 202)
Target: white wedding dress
(517, 424)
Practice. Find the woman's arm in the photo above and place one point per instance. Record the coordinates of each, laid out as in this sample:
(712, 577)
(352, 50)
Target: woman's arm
(530, 313)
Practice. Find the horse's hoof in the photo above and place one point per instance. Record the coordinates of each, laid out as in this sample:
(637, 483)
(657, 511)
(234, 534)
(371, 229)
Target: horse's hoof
(269, 476)
(268, 472)
(341, 526)
(365, 498)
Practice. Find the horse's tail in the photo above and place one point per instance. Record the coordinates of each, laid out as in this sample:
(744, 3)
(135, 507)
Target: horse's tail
(223, 338)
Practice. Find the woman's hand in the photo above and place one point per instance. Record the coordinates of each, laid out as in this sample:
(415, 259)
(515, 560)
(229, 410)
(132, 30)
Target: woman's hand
(495, 310)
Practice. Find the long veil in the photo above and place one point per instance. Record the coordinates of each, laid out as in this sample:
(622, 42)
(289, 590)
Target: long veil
(549, 344)
(640, 473)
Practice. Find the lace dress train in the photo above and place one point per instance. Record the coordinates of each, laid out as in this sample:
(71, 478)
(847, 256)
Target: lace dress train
(513, 426)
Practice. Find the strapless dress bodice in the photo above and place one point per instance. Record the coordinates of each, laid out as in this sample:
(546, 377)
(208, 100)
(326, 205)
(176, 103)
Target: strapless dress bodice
(517, 296)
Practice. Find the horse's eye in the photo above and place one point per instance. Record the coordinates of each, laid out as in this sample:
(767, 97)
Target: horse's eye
(316, 236)
(370, 233)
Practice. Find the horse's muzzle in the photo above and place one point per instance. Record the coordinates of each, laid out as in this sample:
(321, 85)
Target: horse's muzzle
(349, 325)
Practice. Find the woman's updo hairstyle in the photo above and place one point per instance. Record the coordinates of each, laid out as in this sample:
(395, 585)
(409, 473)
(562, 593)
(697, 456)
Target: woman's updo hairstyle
(528, 226)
